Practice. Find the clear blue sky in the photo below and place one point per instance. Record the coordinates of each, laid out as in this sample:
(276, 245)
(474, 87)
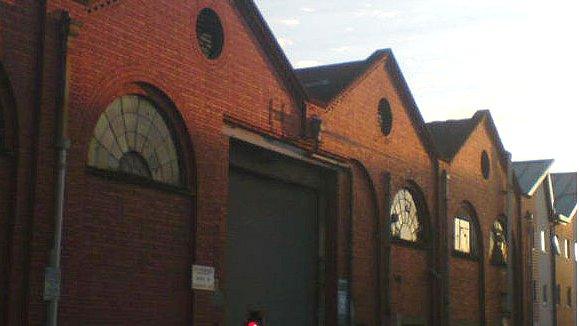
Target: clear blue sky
(517, 58)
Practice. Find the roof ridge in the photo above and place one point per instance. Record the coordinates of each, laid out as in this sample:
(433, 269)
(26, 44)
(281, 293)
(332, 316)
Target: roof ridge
(329, 65)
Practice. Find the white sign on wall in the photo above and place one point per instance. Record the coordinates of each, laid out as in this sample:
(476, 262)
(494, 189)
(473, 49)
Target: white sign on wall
(202, 278)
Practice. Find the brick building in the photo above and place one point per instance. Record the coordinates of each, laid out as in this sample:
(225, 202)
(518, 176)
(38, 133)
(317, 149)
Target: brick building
(167, 134)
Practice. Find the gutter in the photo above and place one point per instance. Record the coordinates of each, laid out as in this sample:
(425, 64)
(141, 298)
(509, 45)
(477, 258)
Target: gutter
(53, 272)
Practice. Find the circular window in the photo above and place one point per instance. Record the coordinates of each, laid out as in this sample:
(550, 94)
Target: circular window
(385, 116)
(485, 165)
(209, 33)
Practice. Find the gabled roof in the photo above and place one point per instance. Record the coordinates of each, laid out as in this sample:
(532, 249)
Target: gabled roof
(565, 190)
(450, 136)
(326, 84)
(530, 174)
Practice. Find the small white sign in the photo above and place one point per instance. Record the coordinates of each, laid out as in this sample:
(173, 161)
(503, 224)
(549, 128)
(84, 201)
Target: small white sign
(203, 278)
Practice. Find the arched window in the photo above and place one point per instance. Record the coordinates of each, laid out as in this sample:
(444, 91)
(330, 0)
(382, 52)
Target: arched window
(465, 231)
(498, 243)
(406, 216)
(131, 137)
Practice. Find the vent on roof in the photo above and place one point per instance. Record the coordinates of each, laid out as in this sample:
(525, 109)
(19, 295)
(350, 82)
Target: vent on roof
(209, 33)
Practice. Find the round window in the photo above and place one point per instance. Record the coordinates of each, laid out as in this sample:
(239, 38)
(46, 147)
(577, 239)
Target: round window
(209, 33)
(385, 116)
(485, 165)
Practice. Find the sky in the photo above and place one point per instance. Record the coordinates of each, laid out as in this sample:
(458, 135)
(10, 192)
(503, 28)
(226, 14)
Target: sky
(517, 58)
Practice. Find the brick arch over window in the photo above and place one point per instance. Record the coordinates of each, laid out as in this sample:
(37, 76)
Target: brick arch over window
(409, 214)
(142, 135)
(467, 236)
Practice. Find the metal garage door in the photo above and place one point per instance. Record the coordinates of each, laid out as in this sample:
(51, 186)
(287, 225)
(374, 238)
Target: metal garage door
(271, 250)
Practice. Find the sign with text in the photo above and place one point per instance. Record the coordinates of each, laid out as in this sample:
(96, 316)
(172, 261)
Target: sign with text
(202, 278)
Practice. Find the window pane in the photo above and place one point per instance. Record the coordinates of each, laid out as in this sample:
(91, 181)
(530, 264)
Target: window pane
(132, 137)
(462, 235)
(543, 241)
(405, 223)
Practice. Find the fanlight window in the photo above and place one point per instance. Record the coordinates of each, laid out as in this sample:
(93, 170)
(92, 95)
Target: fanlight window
(131, 137)
(404, 215)
(498, 243)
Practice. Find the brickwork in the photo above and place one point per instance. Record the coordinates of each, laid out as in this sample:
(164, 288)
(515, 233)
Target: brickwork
(566, 274)
(488, 198)
(352, 130)
(128, 245)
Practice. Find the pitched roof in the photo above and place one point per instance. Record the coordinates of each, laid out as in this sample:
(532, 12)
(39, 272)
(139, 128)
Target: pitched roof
(449, 136)
(530, 174)
(324, 84)
(565, 190)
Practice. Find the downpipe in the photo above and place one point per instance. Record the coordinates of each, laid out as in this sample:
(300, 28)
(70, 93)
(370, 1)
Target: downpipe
(53, 271)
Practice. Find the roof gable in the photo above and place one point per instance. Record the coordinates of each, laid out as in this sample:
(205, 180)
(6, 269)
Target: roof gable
(267, 41)
(565, 191)
(450, 136)
(530, 174)
(326, 84)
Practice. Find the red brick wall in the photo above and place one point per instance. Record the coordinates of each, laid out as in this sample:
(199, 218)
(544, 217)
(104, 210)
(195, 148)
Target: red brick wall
(152, 42)
(123, 239)
(351, 130)
(488, 198)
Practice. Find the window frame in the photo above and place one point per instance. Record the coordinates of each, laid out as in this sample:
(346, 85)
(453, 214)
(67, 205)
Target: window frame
(545, 294)
(462, 225)
(504, 256)
(421, 213)
(180, 186)
(467, 214)
(543, 241)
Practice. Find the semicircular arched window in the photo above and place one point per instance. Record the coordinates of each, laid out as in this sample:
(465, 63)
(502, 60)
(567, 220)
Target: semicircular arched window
(405, 217)
(131, 137)
(498, 243)
(465, 231)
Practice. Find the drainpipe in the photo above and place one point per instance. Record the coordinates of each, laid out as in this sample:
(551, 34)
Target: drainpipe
(62, 144)
(444, 249)
(388, 252)
(510, 224)
(33, 168)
